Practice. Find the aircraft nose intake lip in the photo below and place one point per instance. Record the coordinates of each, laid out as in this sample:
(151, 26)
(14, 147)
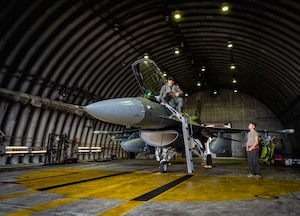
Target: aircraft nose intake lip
(118, 111)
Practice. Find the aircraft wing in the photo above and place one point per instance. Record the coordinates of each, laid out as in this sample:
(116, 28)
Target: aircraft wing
(236, 130)
(107, 132)
(114, 132)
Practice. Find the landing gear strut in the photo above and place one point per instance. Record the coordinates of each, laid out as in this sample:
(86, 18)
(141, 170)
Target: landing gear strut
(209, 163)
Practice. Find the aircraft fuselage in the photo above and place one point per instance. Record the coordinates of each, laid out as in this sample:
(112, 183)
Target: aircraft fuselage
(137, 112)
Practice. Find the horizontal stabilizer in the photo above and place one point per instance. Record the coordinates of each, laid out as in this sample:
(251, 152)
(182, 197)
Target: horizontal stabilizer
(286, 131)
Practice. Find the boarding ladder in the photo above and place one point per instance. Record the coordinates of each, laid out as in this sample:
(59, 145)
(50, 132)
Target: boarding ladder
(199, 150)
(186, 137)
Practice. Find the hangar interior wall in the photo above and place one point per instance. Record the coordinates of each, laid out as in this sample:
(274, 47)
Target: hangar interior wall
(236, 108)
(29, 127)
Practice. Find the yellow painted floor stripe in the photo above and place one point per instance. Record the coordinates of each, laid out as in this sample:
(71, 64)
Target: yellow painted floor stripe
(132, 185)
(8, 196)
(212, 188)
(121, 209)
(198, 171)
(119, 188)
(42, 207)
(48, 178)
(123, 186)
(201, 187)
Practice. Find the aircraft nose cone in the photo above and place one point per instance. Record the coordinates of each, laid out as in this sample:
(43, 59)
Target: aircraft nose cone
(124, 111)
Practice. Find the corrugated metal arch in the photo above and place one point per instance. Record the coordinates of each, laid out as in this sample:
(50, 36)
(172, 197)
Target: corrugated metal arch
(84, 49)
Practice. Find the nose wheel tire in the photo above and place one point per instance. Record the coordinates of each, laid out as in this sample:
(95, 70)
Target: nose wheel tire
(163, 167)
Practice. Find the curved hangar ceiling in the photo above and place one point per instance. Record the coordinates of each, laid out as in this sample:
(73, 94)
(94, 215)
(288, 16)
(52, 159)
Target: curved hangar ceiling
(83, 49)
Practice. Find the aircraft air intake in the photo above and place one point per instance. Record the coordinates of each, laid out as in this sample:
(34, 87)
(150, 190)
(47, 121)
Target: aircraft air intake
(159, 138)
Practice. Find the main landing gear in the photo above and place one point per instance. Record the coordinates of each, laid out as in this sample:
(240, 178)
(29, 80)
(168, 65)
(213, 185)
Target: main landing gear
(163, 155)
(163, 166)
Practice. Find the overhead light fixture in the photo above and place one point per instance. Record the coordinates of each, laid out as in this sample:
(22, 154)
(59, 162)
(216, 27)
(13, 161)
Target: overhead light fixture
(203, 68)
(186, 94)
(234, 80)
(198, 83)
(229, 44)
(116, 27)
(232, 66)
(165, 74)
(177, 15)
(215, 92)
(225, 7)
(146, 55)
(177, 51)
(235, 90)
(61, 96)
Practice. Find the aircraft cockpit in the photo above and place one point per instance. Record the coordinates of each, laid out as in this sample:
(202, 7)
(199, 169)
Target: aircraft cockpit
(149, 78)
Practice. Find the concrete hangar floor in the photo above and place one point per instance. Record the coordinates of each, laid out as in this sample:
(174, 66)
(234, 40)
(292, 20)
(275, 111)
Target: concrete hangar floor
(135, 187)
